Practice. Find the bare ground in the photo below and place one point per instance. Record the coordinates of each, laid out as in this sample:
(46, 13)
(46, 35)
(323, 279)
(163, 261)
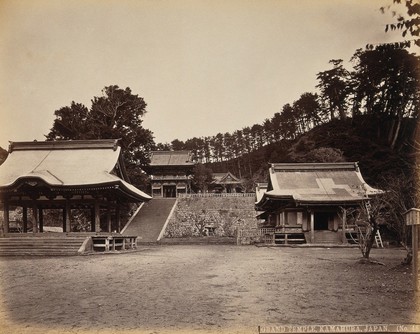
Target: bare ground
(196, 288)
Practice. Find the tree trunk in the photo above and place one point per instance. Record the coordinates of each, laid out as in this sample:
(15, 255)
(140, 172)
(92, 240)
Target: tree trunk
(396, 132)
(367, 245)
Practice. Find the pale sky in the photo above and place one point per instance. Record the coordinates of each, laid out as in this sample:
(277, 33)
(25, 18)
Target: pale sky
(202, 67)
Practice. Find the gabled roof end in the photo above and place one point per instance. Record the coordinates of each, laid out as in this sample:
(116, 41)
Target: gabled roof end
(64, 145)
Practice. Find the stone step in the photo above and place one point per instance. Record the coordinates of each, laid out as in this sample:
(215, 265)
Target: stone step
(150, 220)
(40, 246)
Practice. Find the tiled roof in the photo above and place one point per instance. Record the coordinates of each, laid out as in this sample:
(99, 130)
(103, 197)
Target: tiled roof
(171, 158)
(225, 178)
(260, 190)
(66, 164)
(317, 183)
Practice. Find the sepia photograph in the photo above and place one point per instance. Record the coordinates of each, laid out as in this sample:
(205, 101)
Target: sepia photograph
(209, 166)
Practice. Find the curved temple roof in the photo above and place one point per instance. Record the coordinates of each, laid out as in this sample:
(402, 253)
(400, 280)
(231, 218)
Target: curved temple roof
(67, 164)
(171, 158)
(316, 184)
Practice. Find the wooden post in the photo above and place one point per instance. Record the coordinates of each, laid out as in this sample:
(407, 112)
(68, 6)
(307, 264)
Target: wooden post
(25, 219)
(283, 221)
(97, 227)
(415, 247)
(118, 218)
(92, 219)
(6, 217)
(64, 219)
(67, 212)
(109, 218)
(412, 217)
(312, 227)
(344, 222)
(41, 220)
(34, 219)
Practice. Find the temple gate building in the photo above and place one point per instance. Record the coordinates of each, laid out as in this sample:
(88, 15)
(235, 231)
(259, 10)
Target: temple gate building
(170, 173)
(226, 183)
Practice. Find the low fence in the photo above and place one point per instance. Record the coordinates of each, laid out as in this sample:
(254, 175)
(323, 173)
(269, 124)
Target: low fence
(249, 236)
(216, 195)
(108, 243)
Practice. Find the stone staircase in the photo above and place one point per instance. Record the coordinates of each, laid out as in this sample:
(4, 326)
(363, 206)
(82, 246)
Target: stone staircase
(150, 220)
(40, 245)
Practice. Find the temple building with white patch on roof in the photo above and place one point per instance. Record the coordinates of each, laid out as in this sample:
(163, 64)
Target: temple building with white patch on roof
(306, 202)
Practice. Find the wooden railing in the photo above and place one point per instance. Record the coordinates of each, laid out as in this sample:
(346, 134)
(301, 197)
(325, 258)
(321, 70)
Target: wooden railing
(113, 243)
(282, 235)
(216, 195)
(266, 230)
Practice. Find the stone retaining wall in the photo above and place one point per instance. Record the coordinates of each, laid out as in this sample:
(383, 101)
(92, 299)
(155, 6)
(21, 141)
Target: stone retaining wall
(211, 216)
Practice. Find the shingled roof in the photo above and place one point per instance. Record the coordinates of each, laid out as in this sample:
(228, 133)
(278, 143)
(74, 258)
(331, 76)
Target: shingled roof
(68, 164)
(316, 184)
(171, 158)
(225, 178)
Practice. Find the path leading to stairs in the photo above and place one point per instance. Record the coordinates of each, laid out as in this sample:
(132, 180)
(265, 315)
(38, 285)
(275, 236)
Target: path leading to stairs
(150, 219)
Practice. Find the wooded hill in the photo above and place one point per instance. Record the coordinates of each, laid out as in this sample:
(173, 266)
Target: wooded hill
(363, 139)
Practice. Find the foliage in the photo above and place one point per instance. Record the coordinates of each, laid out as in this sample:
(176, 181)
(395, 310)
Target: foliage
(385, 84)
(366, 218)
(401, 194)
(324, 154)
(117, 114)
(334, 88)
(294, 119)
(202, 177)
(409, 25)
(3, 155)
(381, 90)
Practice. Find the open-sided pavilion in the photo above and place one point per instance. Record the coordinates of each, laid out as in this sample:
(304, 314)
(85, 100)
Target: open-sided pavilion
(66, 175)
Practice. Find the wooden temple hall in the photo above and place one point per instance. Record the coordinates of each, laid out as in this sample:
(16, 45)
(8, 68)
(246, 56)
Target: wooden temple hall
(307, 202)
(54, 178)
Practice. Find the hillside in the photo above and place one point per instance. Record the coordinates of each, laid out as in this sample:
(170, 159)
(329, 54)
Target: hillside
(363, 139)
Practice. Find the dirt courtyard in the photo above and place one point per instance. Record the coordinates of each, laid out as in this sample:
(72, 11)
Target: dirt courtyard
(203, 289)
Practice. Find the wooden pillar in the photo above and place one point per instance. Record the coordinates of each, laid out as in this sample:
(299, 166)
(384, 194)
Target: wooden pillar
(118, 218)
(6, 217)
(34, 218)
(312, 226)
(415, 260)
(64, 219)
(109, 218)
(92, 219)
(25, 219)
(66, 214)
(97, 217)
(344, 222)
(41, 220)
